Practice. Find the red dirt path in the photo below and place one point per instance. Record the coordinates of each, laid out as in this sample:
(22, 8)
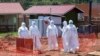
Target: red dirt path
(87, 43)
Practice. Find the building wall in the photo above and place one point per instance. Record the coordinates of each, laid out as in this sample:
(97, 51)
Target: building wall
(95, 23)
(73, 16)
(8, 22)
(42, 25)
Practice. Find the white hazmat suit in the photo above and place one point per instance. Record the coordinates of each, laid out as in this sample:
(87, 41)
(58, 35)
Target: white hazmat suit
(23, 31)
(65, 38)
(52, 34)
(35, 35)
(73, 35)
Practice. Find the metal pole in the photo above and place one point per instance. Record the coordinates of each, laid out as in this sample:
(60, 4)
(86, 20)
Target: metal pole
(90, 15)
(90, 11)
(50, 13)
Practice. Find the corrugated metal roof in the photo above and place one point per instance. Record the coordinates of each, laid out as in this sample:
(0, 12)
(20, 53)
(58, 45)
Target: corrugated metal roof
(10, 8)
(50, 9)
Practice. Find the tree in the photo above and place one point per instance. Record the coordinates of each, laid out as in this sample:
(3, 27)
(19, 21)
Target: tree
(27, 3)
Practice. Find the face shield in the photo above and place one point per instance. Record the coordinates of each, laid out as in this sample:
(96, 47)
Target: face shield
(65, 23)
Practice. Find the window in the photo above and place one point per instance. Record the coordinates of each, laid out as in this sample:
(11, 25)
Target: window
(80, 17)
(2, 20)
(33, 16)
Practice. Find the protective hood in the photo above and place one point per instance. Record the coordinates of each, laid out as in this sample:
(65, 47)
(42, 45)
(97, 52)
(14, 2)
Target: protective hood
(70, 21)
(33, 23)
(23, 24)
(51, 22)
(65, 23)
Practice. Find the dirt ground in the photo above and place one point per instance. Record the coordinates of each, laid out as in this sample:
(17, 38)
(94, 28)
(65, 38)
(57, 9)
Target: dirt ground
(88, 43)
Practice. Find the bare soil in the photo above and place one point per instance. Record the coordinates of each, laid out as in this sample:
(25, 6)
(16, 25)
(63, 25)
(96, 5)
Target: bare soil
(87, 44)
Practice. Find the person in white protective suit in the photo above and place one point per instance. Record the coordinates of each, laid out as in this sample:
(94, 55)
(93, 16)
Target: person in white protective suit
(23, 31)
(65, 38)
(52, 34)
(73, 37)
(35, 35)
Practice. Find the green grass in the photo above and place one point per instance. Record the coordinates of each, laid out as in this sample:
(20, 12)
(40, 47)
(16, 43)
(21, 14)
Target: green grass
(2, 34)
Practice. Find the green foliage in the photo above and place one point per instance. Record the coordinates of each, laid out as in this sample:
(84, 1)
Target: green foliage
(28, 3)
(2, 34)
